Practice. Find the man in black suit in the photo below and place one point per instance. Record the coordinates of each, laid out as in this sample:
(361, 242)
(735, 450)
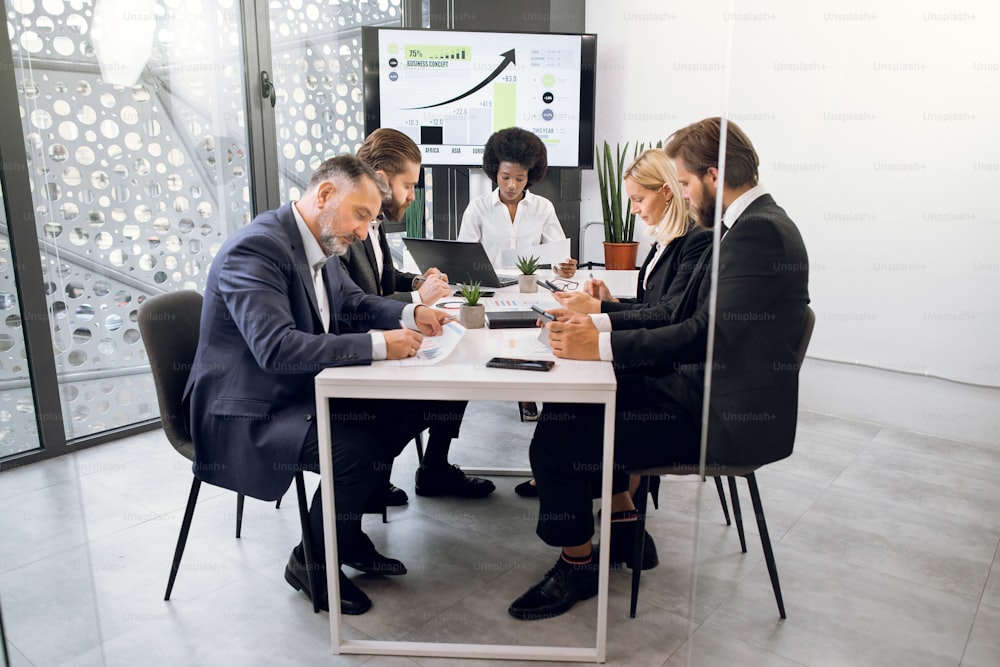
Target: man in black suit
(270, 322)
(760, 318)
(395, 157)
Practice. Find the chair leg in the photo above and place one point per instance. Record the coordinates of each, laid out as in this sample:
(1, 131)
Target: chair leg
(307, 552)
(419, 441)
(239, 514)
(277, 505)
(765, 542)
(640, 541)
(722, 499)
(736, 513)
(654, 490)
(182, 538)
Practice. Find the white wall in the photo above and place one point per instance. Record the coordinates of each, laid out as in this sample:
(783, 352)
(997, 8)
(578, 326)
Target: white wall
(877, 126)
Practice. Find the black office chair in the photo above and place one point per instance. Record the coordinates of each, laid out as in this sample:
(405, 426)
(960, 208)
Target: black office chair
(718, 471)
(653, 489)
(169, 327)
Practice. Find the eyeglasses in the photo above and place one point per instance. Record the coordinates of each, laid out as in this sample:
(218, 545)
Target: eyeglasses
(565, 285)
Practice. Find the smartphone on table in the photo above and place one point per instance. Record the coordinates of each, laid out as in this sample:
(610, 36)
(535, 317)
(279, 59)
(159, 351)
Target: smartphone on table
(520, 364)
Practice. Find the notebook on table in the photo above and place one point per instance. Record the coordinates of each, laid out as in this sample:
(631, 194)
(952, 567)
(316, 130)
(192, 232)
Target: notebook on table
(511, 319)
(463, 261)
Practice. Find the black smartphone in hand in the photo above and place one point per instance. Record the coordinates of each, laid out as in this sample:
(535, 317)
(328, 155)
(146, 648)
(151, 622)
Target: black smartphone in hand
(520, 364)
(545, 317)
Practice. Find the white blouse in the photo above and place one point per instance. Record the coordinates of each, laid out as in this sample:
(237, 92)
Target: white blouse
(487, 220)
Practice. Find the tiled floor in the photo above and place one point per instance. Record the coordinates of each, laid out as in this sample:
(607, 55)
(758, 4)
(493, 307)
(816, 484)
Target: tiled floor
(886, 545)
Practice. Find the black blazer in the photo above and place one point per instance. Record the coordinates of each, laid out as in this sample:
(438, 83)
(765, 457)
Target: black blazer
(359, 262)
(668, 278)
(760, 318)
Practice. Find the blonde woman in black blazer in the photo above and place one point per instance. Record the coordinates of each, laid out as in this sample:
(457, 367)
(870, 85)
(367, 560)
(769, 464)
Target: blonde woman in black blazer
(655, 195)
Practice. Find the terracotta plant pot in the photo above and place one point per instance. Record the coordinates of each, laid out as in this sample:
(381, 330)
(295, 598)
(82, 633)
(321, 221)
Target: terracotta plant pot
(528, 284)
(620, 256)
(472, 317)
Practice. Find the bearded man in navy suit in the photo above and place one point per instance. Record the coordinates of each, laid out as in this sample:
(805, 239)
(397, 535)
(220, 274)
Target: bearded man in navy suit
(272, 318)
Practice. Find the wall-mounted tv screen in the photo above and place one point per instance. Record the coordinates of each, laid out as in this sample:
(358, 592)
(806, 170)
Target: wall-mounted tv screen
(450, 90)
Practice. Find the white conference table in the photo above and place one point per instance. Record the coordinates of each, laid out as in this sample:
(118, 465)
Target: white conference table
(463, 376)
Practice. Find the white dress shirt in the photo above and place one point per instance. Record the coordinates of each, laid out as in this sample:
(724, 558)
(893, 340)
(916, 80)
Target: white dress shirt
(315, 256)
(373, 231)
(740, 204)
(487, 220)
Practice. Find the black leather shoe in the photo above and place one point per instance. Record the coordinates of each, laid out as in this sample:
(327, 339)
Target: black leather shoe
(353, 600)
(563, 586)
(363, 556)
(623, 547)
(395, 496)
(526, 489)
(451, 481)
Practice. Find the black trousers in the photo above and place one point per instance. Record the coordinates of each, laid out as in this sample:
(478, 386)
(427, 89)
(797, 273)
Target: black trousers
(567, 451)
(366, 436)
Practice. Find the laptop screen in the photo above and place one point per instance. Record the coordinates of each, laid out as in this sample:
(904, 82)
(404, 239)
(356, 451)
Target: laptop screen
(463, 261)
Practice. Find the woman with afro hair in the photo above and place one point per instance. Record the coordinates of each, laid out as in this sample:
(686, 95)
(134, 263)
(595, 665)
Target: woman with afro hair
(511, 216)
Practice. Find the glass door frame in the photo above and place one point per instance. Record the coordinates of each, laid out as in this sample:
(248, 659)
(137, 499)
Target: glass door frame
(28, 275)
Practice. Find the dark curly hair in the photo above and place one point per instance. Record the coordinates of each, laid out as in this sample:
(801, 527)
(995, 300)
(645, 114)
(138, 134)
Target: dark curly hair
(519, 146)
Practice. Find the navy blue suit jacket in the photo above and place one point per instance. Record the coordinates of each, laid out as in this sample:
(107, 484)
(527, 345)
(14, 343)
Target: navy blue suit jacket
(250, 399)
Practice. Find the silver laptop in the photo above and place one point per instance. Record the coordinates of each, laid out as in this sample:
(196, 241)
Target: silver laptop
(463, 261)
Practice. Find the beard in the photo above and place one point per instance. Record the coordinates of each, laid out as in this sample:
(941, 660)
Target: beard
(336, 244)
(393, 210)
(330, 241)
(704, 213)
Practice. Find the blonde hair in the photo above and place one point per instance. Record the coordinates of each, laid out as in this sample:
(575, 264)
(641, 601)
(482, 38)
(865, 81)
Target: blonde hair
(652, 170)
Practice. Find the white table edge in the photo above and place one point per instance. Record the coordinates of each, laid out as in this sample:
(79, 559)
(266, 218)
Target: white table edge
(602, 393)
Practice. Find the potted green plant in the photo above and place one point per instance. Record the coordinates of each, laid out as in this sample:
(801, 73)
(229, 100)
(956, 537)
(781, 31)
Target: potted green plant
(471, 314)
(620, 248)
(527, 282)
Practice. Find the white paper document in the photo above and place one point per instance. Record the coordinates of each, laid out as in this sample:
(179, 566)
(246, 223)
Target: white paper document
(547, 253)
(435, 348)
(522, 343)
(522, 301)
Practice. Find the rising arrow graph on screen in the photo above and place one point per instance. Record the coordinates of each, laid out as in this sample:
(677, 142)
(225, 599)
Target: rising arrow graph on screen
(508, 58)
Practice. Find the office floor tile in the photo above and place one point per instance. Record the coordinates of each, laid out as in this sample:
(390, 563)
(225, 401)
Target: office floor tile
(712, 648)
(860, 431)
(991, 594)
(948, 450)
(935, 481)
(840, 614)
(984, 641)
(26, 478)
(46, 521)
(819, 456)
(915, 543)
(886, 544)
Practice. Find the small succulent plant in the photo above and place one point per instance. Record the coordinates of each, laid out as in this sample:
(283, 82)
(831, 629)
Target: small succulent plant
(471, 292)
(527, 265)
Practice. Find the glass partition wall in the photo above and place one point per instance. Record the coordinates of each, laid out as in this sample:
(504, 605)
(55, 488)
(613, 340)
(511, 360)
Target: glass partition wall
(133, 118)
(18, 427)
